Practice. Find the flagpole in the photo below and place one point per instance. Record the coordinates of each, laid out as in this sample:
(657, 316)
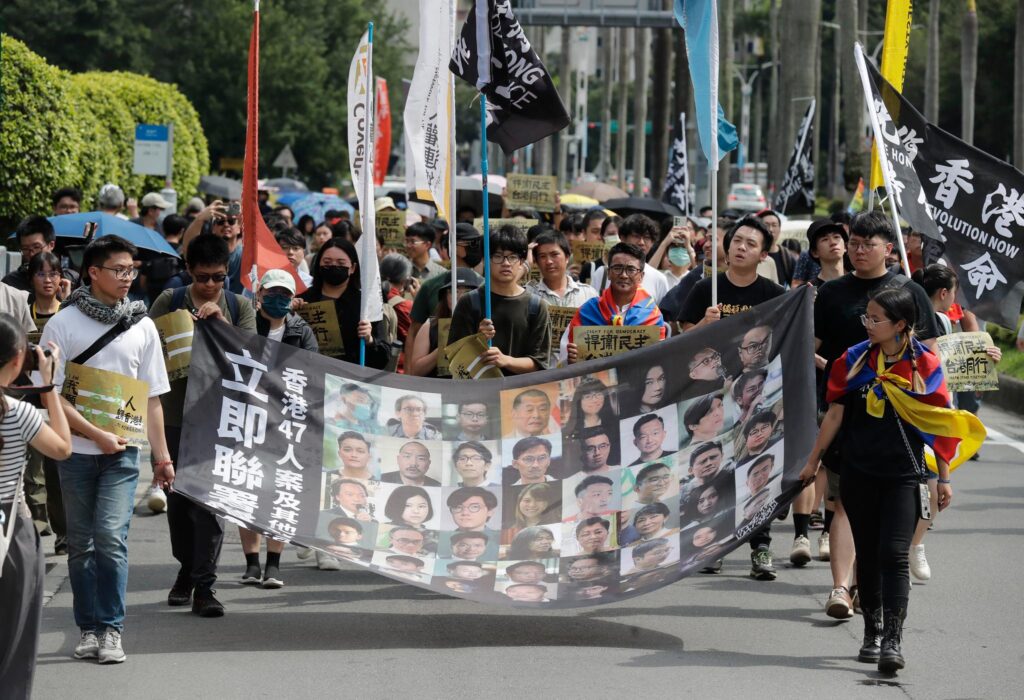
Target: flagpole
(879, 140)
(366, 211)
(486, 207)
(452, 194)
(713, 147)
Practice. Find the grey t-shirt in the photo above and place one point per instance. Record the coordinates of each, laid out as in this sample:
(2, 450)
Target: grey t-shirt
(515, 332)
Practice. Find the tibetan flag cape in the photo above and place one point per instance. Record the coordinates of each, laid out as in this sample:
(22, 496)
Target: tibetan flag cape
(952, 434)
(603, 312)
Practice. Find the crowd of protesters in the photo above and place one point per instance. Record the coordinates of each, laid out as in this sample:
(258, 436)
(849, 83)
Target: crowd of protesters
(80, 481)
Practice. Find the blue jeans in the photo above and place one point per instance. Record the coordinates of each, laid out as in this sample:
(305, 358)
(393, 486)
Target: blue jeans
(99, 493)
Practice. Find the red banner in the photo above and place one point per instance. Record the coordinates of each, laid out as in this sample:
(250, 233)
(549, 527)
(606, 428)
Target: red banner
(382, 136)
(260, 249)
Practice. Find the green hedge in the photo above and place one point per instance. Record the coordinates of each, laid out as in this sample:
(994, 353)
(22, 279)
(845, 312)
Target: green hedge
(58, 129)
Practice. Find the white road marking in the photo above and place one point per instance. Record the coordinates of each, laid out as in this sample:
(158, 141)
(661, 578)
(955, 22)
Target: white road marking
(997, 438)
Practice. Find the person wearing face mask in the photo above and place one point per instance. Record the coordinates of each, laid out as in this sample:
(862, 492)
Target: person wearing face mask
(336, 278)
(274, 318)
(196, 535)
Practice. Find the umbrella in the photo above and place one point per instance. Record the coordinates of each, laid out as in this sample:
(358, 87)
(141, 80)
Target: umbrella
(317, 204)
(600, 191)
(285, 184)
(469, 193)
(73, 226)
(494, 182)
(289, 198)
(578, 201)
(220, 187)
(641, 205)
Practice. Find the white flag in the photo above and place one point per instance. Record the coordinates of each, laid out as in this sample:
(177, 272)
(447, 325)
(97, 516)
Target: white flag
(430, 106)
(360, 161)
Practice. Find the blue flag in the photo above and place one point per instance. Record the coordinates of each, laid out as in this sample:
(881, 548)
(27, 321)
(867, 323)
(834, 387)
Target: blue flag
(699, 20)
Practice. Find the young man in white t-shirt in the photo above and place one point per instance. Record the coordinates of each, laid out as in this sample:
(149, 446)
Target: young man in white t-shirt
(100, 477)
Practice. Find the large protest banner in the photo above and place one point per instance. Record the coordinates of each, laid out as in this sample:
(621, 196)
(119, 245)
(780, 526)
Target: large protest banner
(578, 486)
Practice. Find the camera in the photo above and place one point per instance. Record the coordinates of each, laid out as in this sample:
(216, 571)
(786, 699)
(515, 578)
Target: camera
(31, 360)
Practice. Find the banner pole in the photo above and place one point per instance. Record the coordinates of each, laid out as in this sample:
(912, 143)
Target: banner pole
(367, 183)
(486, 208)
(713, 148)
(882, 159)
(452, 171)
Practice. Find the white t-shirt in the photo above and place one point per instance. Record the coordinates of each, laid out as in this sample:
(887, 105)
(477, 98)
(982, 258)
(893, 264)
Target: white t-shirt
(19, 427)
(654, 282)
(276, 333)
(135, 353)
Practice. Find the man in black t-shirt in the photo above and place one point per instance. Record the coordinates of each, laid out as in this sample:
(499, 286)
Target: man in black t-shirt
(739, 289)
(837, 326)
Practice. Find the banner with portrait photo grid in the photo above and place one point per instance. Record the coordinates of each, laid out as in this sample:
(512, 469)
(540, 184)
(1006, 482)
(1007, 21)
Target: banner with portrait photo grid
(577, 486)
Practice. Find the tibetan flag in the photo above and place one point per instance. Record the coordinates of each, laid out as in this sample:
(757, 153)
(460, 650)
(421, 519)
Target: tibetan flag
(260, 250)
(953, 435)
(602, 311)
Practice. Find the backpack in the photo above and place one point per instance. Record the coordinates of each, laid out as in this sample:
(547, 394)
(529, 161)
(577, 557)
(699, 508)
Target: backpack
(390, 321)
(178, 299)
(476, 302)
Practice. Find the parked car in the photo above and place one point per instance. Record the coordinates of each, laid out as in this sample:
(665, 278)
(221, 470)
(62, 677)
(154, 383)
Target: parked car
(746, 197)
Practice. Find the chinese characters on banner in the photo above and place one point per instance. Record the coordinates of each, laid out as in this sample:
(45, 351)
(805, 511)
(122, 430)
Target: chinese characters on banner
(647, 465)
(519, 223)
(966, 364)
(539, 192)
(559, 318)
(110, 401)
(606, 341)
(322, 317)
(391, 227)
(175, 331)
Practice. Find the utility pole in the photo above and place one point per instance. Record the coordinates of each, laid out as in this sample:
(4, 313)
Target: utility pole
(620, 143)
(565, 80)
(640, 110)
(604, 166)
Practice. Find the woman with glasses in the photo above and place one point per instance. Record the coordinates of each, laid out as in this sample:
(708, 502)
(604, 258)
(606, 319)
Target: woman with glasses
(336, 279)
(45, 274)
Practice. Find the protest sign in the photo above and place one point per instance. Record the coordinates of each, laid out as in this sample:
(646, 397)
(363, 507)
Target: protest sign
(108, 400)
(587, 251)
(322, 317)
(558, 319)
(538, 192)
(519, 223)
(443, 326)
(605, 341)
(391, 227)
(260, 448)
(966, 364)
(464, 359)
(175, 331)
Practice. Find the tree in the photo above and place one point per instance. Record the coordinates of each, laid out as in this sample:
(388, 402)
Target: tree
(852, 95)
(798, 74)
(968, 71)
(931, 73)
(1018, 90)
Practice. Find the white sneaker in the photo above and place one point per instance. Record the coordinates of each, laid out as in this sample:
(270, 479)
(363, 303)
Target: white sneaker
(326, 562)
(801, 552)
(304, 553)
(88, 646)
(919, 564)
(824, 550)
(111, 651)
(156, 499)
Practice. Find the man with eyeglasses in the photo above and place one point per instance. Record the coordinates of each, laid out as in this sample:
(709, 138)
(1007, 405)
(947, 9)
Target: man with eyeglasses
(531, 457)
(407, 540)
(419, 241)
(755, 348)
(624, 303)
(472, 507)
(472, 421)
(837, 326)
(99, 479)
(472, 462)
(518, 329)
(640, 231)
(35, 235)
(413, 464)
(410, 420)
(196, 535)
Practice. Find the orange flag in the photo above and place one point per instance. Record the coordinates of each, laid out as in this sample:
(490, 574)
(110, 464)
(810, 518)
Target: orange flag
(261, 251)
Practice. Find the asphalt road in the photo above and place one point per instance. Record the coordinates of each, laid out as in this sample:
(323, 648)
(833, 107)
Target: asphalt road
(354, 634)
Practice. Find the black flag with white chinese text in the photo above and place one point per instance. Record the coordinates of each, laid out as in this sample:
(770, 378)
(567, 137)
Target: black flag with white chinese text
(493, 55)
(797, 189)
(677, 181)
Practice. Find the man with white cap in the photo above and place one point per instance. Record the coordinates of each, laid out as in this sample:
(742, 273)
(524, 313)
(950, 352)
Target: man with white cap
(152, 205)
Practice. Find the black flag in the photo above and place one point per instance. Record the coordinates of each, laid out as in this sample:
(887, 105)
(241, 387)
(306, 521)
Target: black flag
(977, 203)
(494, 56)
(798, 186)
(677, 182)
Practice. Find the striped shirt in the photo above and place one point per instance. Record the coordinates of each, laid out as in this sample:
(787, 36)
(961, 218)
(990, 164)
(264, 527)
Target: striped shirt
(20, 424)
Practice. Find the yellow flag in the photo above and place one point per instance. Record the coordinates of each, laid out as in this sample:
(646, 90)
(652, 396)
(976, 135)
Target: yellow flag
(895, 45)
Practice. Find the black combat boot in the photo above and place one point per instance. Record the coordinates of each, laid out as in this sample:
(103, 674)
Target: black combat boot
(891, 658)
(871, 649)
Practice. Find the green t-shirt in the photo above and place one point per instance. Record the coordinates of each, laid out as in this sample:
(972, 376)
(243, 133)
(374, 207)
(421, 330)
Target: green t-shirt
(426, 299)
(174, 401)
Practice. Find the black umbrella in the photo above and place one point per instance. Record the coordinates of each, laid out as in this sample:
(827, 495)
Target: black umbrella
(654, 208)
(220, 187)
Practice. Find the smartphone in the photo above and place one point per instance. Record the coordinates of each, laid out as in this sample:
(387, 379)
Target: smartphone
(234, 210)
(926, 502)
(678, 221)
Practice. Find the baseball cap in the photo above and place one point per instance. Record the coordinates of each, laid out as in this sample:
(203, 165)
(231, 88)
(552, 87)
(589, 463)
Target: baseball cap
(278, 278)
(464, 277)
(466, 232)
(153, 199)
(382, 203)
(195, 205)
(821, 227)
(111, 196)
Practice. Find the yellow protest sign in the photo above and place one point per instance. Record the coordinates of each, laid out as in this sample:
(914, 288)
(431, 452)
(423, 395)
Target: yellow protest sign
(391, 227)
(175, 331)
(585, 251)
(443, 326)
(108, 400)
(322, 317)
(605, 341)
(966, 364)
(558, 319)
(464, 359)
(538, 192)
(519, 223)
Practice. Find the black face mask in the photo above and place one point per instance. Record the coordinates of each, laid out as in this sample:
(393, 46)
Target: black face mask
(334, 275)
(474, 254)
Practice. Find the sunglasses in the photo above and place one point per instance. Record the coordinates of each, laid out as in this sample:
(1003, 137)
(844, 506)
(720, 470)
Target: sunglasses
(206, 279)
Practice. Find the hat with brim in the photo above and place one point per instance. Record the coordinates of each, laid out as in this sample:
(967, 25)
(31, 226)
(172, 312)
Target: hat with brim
(464, 277)
(823, 227)
(278, 278)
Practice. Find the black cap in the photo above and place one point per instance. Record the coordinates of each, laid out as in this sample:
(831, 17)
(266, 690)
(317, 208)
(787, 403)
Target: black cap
(821, 227)
(466, 232)
(464, 277)
(439, 225)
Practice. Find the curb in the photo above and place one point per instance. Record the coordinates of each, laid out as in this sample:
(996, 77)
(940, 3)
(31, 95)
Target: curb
(1010, 396)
